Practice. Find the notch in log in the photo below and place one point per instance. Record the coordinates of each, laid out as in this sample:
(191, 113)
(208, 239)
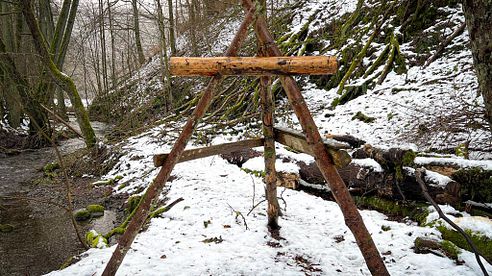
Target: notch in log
(253, 66)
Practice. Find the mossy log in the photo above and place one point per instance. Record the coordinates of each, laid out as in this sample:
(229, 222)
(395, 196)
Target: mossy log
(367, 180)
(446, 248)
(389, 159)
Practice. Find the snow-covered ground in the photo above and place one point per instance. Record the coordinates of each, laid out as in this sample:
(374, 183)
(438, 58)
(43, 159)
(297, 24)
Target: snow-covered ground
(315, 239)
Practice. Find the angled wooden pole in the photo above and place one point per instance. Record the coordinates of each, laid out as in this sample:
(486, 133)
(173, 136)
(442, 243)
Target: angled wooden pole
(269, 154)
(352, 217)
(155, 189)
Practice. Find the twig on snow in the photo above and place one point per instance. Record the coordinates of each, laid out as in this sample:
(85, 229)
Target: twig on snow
(239, 214)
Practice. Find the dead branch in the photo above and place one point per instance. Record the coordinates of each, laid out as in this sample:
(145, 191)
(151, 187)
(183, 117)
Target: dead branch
(420, 175)
(444, 44)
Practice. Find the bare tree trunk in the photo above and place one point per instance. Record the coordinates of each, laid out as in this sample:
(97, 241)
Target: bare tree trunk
(136, 30)
(102, 37)
(172, 39)
(478, 15)
(113, 47)
(192, 22)
(166, 78)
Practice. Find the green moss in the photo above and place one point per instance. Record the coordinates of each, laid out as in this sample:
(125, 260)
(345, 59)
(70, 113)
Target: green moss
(416, 212)
(115, 231)
(122, 186)
(67, 263)
(483, 244)
(254, 172)
(450, 249)
(269, 153)
(82, 214)
(390, 116)
(362, 117)
(385, 228)
(476, 183)
(132, 203)
(409, 158)
(95, 208)
(95, 240)
(6, 228)
(50, 168)
(107, 182)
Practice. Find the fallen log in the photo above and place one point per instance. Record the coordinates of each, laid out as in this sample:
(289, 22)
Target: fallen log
(354, 142)
(365, 177)
(252, 66)
(391, 159)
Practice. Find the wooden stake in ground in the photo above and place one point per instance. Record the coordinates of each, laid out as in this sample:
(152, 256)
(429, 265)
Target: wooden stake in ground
(352, 217)
(269, 155)
(155, 189)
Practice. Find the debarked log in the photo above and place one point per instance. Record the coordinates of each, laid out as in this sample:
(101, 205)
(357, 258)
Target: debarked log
(253, 66)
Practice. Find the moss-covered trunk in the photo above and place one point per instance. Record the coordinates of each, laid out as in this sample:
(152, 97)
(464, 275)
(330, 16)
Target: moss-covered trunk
(61, 79)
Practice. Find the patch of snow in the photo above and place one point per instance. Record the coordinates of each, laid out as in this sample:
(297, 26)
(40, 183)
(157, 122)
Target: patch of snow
(368, 163)
(465, 163)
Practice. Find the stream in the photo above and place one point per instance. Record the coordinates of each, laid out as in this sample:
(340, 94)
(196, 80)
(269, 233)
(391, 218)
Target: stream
(42, 238)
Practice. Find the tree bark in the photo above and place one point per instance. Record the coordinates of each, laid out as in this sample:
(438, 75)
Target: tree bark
(39, 119)
(113, 47)
(163, 58)
(352, 217)
(172, 39)
(478, 15)
(61, 79)
(136, 30)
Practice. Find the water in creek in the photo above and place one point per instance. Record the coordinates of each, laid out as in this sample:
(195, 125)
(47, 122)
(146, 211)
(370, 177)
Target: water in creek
(43, 236)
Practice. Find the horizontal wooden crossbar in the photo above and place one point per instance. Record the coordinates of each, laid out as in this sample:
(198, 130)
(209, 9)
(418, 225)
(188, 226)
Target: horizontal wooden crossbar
(287, 137)
(252, 66)
(211, 150)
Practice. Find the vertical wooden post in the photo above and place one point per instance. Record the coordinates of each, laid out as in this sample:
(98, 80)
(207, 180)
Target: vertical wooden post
(351, 215)
(267, 108)
(155, 189)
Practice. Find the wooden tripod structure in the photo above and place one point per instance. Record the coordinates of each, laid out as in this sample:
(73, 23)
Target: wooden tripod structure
(326, 156)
